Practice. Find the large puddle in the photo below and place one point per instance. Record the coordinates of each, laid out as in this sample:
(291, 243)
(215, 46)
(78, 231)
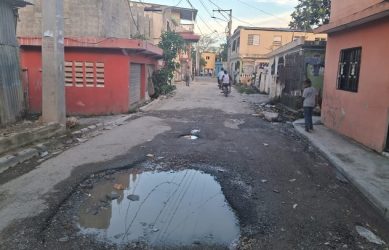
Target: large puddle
(165, 209)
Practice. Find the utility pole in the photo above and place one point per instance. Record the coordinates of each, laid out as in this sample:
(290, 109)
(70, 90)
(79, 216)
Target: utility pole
(53, 86)
(229, 33)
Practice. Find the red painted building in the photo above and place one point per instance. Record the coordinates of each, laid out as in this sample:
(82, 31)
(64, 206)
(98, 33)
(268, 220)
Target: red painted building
(102, 76)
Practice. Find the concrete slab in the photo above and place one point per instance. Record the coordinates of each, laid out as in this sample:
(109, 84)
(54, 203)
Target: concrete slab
(29, 136)
(316, 120)
(365, 169)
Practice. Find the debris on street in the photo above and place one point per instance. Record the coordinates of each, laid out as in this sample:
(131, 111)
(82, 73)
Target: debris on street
(369, 235)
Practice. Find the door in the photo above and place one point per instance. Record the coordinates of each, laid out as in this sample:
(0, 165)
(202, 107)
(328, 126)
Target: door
(135, 84)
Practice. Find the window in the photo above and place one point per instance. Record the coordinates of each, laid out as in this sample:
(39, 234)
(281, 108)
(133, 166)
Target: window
(253, 39)
(348, 72)
(207, 57)
(84, 74)
(277, 40)
(234, 45)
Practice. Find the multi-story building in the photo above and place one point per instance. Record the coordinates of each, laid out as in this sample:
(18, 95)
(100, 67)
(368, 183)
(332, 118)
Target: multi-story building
(151, 20)
(249, 46)
(210, 59)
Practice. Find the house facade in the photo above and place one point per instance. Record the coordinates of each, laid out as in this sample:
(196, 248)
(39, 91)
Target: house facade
(288, 67)
(356, 80)
(106, 72)
(210, 60)
(249, 47)
(12, 101)
(151, 20)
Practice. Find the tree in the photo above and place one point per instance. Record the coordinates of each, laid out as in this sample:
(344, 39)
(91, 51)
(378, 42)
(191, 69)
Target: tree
(223, 54)
(203, 62)
(206, 43)
(309, 14)
(171, 43)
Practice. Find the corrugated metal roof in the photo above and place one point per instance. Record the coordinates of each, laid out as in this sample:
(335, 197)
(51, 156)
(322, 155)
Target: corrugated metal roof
(17, 3)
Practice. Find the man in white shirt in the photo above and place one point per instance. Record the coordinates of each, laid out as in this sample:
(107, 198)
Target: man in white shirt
(220, 78)
(310, 101)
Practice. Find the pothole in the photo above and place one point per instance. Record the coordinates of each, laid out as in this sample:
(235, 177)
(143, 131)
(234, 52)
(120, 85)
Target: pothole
(190, 137)
(193, 135)
(159, 209)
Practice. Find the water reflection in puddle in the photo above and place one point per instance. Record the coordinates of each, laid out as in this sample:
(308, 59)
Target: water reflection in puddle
(161, 209)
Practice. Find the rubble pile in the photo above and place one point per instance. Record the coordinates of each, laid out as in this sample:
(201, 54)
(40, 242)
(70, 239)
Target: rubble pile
(276, 113)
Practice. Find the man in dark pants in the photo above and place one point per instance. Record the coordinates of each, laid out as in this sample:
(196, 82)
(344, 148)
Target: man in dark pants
(310, 101)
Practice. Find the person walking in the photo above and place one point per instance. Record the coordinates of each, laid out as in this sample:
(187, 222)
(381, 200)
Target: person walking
(187, 77)
(220, 78)
(310, 101)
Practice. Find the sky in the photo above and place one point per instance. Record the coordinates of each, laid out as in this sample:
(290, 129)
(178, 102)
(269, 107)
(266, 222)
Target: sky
(260, 13)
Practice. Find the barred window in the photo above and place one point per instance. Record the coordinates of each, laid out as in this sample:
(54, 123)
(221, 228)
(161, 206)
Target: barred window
(253, 39)
(349, 67)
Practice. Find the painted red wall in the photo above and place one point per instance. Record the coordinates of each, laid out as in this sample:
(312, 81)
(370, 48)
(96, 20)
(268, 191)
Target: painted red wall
(363, 116)
(110, 99)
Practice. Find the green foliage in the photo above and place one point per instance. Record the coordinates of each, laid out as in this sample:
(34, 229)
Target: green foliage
(203, 62)
(139, 37)
(244, 89)
(309, 14)
(223, 52)
(171, 43)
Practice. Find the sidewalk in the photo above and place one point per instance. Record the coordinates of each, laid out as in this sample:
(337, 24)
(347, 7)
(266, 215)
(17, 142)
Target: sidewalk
(365, 169)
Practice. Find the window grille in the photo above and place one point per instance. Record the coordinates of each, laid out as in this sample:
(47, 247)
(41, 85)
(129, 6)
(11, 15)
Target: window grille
(349, 67)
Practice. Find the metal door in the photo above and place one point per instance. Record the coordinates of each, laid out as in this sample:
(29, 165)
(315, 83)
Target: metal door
(135, 83)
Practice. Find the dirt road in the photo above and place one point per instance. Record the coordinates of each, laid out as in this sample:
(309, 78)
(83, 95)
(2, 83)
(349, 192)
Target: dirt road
(284, 194)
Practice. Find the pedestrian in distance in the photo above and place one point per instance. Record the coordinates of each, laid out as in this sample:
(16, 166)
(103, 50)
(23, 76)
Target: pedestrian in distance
(187, 76)
(220, 78)
(226, 80)
(310, 102)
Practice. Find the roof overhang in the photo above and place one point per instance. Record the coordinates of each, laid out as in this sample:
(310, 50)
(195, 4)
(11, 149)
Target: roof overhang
(373, 13)
(17, 3)
(134, 45)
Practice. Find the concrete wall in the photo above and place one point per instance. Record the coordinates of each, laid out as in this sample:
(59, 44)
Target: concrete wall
(364, 115)
(344, 8)
(86, 18)
(113, 98)
(211, 61)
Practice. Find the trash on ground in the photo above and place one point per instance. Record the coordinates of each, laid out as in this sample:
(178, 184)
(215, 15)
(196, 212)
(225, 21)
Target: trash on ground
(150, 155)
(195, 132)
(118, 186)
(133, 197)
(369, 235)
(294, 206)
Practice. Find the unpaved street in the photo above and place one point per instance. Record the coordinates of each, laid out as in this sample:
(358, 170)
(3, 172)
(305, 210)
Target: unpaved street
(283, 194)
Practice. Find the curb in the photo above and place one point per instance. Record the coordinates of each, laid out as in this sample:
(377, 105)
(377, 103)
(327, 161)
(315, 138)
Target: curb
(27, 137)
(383, 210)
(12, 159)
